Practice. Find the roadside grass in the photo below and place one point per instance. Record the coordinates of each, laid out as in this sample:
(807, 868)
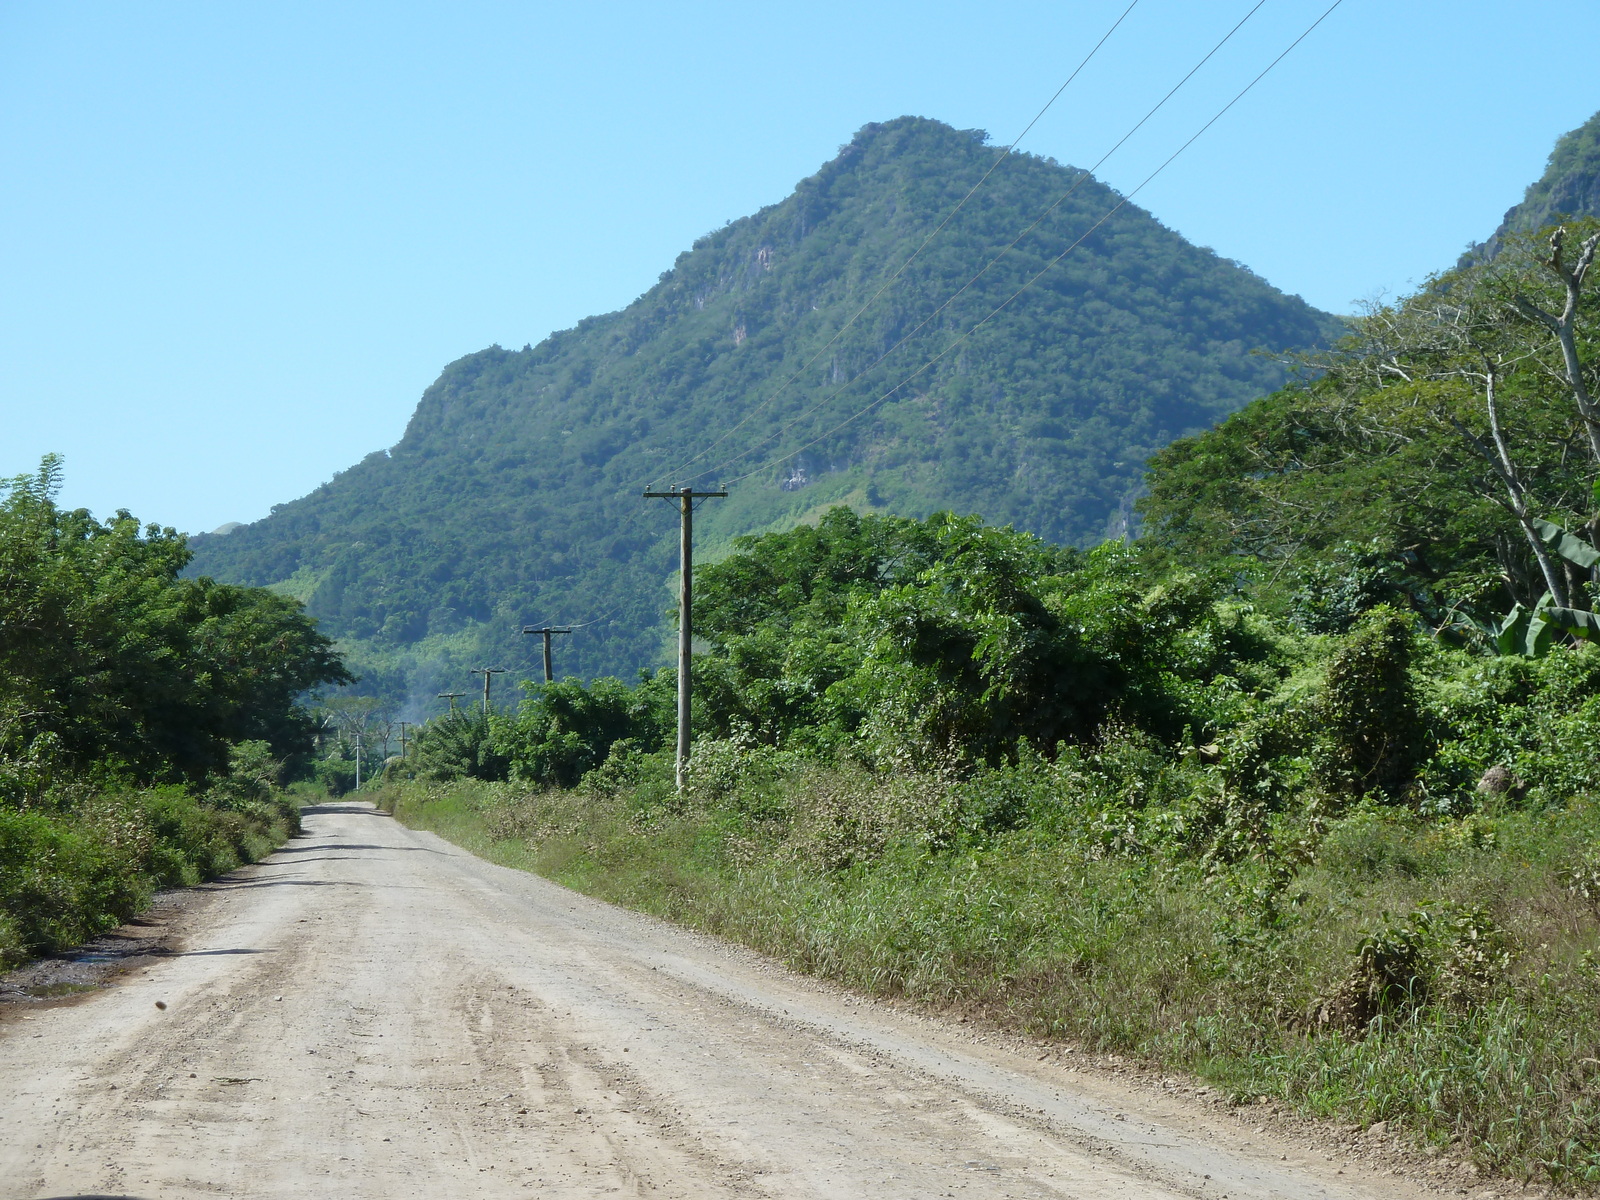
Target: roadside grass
(81, 859)
(1437, 973)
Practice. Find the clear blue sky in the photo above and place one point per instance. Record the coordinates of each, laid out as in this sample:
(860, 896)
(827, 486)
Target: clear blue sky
(238, 241)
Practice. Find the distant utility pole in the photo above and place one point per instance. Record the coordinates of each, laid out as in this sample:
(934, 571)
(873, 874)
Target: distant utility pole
(685, 497)
(452, 697)
(358, 760)
(403, 739)
(549, 670)
(488, 674)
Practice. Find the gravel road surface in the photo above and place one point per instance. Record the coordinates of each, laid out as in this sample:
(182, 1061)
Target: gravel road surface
(373, 1012)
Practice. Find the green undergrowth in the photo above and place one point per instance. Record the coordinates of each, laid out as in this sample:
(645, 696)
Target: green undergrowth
(81, 856)
(1366, 963)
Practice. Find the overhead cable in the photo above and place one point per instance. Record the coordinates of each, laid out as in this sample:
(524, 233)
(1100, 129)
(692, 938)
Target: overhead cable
(1052, 263)
(984, 270)
(888, 283)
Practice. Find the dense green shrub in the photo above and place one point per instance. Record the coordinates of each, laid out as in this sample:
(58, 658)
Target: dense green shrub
(1372, 733)
(336, 776)
(563, 730)
(63, 881)
(916, 644)
(78, 862)
(461, 745)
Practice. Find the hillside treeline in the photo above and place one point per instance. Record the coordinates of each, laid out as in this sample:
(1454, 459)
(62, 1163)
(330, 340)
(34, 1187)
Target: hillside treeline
(1299, 789)
(145, 719)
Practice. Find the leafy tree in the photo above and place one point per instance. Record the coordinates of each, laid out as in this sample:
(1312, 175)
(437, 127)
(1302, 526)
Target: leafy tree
(109, 657)
(1446, 435)
(564, 730)
(461, 745)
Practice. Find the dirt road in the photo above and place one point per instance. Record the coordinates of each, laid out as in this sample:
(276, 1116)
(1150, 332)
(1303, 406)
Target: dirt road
(375, 1013)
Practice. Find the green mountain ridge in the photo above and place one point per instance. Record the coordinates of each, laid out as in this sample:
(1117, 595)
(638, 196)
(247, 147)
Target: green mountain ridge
(514, 494)
(1569, 187)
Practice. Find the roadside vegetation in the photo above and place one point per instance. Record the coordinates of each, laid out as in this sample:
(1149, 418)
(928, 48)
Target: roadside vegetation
(1298, 790)
(147, 722)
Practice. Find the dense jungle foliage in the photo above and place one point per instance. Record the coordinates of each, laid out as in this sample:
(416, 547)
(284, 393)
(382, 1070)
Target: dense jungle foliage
(1299, 790)
(514, 495)
(1445, 457)
(145, 719)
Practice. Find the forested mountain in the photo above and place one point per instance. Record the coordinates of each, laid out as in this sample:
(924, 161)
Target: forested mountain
(514, 495)
(1569, 187)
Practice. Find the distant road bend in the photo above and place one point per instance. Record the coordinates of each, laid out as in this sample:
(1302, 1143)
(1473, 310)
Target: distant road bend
(373, 1012)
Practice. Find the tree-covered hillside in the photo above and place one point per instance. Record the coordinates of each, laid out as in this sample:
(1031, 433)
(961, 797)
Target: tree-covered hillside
(514, 495)
(1569, 187)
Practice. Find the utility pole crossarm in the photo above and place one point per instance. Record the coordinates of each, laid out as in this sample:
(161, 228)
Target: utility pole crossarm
(685, 496)
(488, 674)
(546, 631)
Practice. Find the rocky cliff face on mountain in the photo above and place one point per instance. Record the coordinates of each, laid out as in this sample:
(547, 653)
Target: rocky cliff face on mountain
(514, 495)
(1569, 187)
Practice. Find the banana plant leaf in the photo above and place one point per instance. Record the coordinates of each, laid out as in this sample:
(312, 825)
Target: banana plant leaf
(1569, 545)
(1580, 623)
(1540, 635)
(1512, 634)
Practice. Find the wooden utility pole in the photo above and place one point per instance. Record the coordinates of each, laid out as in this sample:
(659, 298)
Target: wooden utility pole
(488, 674)
(404, 740)
(549, 669)
(452, 697)
(358, 760)
(685, 496)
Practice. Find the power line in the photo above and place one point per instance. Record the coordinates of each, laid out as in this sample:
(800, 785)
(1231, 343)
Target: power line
(582, 624)
(984, 270)
(888, 283)
(1051, 264)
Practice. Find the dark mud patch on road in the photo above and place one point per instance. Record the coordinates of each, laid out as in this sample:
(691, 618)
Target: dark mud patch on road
(158, 932)
(69, 976)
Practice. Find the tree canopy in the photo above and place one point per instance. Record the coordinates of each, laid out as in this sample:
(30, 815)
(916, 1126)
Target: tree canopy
(109, 658)
(1450, 441)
